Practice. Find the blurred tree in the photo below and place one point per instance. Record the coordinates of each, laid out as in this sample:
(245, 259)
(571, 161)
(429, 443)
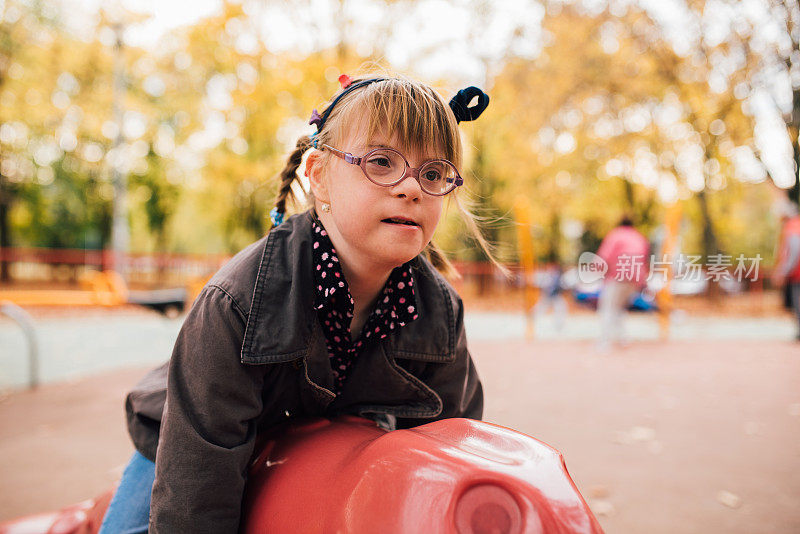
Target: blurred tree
(712, 80)
(608, 97)
(594, 114)
(56, 133)
(782, 62)
(23, 31)
(489, 49)
(255, 105)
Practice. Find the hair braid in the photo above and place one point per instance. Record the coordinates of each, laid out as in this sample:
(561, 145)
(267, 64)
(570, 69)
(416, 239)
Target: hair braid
(470, 219)
(289, 173)
(440, 261)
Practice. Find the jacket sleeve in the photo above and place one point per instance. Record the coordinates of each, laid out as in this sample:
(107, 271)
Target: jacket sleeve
(456, 382)
(209, 423)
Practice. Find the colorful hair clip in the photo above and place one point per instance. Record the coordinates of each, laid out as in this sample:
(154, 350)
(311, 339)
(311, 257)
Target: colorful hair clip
(348, 86)
(315, 119)
(276, 217)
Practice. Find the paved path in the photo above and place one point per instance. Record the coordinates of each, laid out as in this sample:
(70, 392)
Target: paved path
(99, 340)
(690, 437)
(638, 326)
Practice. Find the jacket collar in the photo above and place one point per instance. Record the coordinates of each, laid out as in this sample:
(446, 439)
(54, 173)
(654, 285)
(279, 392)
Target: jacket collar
(332, 292)
(284, 295)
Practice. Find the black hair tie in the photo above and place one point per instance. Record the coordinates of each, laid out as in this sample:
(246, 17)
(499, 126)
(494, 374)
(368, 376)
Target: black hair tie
(460, 104)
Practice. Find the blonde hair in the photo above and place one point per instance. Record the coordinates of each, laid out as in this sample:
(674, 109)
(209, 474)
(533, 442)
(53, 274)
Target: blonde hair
(416, 114)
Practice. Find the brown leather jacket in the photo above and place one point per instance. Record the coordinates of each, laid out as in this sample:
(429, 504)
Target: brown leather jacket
(252, 353)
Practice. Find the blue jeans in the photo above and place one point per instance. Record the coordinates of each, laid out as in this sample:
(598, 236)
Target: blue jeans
(129, 510)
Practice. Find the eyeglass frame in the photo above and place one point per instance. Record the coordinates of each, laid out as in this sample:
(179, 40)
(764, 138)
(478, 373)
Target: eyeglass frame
(414, 171)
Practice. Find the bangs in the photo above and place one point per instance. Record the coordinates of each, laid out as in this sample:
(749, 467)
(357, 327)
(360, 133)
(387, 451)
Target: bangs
(406, 112)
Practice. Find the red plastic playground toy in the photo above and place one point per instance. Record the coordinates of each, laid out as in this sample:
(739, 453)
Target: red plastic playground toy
(347, 475)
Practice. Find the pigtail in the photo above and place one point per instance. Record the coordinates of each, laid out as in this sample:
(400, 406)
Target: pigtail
(441, 262)
(470, 219)
(289, 175)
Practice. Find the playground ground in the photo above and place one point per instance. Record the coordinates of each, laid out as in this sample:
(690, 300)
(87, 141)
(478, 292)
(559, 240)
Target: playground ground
(692, 435)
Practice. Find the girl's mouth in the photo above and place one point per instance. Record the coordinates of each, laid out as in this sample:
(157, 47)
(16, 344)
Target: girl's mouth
(400, 221)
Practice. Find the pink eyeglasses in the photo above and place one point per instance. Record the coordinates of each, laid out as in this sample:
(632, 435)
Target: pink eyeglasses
(387, 167)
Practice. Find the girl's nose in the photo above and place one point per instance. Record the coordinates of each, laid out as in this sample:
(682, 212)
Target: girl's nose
(408, 187)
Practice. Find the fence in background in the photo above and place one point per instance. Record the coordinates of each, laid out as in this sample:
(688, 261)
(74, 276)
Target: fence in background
(47, 265)
(33, 264)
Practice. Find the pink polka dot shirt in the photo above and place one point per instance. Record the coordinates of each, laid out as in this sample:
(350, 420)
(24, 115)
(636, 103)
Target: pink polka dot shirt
(396, 306)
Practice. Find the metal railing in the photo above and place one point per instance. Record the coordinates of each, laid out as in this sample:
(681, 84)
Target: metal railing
(24, 320)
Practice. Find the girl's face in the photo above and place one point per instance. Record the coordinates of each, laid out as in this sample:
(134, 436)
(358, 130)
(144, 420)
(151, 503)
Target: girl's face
(372, 227)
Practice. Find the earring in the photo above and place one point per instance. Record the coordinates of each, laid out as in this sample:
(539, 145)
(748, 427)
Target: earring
(326, 207)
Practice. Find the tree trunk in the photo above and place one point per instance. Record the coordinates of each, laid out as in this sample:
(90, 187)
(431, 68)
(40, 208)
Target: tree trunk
(160, 253)
(555, 238)
(5, 225)
(794, 128)
(710, 242)
(630, 198)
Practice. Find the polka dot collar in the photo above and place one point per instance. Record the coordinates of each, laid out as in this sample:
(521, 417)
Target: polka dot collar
(396, 306)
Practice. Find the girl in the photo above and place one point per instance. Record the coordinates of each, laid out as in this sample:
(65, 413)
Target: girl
(337, 310)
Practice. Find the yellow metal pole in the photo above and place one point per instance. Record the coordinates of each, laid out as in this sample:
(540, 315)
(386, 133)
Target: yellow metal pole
(527, 260)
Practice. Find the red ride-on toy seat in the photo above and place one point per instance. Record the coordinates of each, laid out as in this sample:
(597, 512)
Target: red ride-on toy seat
(347, 475)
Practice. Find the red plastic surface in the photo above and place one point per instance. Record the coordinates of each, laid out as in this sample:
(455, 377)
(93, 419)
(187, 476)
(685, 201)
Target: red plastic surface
(455, 475)
(82, 518)
(349, 476)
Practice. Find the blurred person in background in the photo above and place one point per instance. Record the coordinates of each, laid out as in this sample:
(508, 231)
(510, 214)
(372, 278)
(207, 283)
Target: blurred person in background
(787, 269)
(552, 297)
(626, 252)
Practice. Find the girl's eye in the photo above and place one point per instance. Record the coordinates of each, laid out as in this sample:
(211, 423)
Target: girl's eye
(434, 172)
(432, 176)
(383, 166)
(381, 160)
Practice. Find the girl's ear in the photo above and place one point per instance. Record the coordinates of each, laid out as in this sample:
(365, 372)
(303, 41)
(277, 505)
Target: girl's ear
(317, 177)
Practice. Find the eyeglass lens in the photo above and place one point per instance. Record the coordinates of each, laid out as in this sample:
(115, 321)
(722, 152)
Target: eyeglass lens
(387, 167)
